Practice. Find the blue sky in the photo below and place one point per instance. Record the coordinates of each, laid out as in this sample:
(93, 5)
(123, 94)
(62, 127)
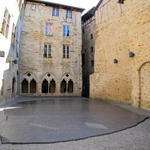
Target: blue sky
(87, 4)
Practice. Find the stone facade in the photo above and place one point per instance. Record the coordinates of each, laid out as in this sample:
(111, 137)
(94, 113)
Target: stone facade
(53, 75)
(88, 48)
(11, 15)
(122, 51)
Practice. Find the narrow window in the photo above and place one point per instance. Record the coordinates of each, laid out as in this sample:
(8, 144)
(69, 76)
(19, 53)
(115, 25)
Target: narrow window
(20, 4)
(55, 12)
(70, 86)
(83, 59)
(91, 36)
(92, 63)
(68, 14)
(63, 86)
(6, 23)
(24, 86)
(65, 51)
(33, 7)
(48, 29)
(52, 86)
(33, 86)
(83, 31)
(47, 51)
(65, 30)
(121, 1)
(45, 86)
(92, 49)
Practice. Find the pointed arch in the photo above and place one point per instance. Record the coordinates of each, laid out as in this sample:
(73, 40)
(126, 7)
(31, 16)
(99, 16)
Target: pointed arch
(70, 86)
(45, 86)
(63, 86)
(25, 86)
(52, 86)
(33, 86)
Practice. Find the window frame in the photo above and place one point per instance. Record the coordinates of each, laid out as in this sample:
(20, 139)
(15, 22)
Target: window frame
(68, 14)
(47, 50)
(6, 24)
(66, 31)
(48, 31)
(55, 11)
(66, 51)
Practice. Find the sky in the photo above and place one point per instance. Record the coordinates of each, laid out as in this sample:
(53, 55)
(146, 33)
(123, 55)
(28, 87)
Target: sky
(87, 4)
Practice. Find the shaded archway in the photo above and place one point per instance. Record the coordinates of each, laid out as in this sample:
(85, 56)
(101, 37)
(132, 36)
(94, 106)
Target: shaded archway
(52, 86)
(63, 86)
(144, 86)
(24, 86)
(70, 86)
(13, 86)
(33, 86)
(45, 86)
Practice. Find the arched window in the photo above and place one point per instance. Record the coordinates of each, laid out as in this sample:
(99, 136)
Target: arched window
(70, 86)
(24, 86)
(13, 85)
(52, 86)
(33, 86)
(63, 86)
(45, 86)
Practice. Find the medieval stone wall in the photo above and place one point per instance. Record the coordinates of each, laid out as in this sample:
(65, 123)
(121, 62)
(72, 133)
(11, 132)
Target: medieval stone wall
(120, 30)
(32, 63)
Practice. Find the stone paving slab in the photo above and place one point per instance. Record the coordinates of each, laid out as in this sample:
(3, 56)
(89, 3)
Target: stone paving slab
(57, 119)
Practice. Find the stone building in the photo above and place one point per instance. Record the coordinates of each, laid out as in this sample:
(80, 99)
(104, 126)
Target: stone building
(10, 30)
(122, 52)
(50, 52)
(88, 48)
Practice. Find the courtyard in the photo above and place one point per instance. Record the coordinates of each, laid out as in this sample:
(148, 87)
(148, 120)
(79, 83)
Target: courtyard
(54, 121)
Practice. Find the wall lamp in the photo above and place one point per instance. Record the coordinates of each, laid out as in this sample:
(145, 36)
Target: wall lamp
(131, 54)
(115, 61)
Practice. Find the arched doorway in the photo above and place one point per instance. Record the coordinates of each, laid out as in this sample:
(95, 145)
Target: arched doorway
(24, 86)
(145, 86)
(70, 86)
(13, 86)
(33, 86)
(63, 86)
(52, 86)
(45, 86)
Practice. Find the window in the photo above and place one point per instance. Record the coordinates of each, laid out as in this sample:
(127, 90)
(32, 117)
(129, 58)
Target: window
(83, 30)
(6, 23)
(65, 51)
(55, 12)
(48, 29)
(33, 7)
(47, 50)
(92, 49)
(121, 1)
(2, 54)
(92, 63)
(91, 36)
(68, 14)
(20, 4)
(65, 30)
(83, 59)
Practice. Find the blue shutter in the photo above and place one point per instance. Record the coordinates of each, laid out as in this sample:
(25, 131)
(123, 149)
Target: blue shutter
(46, 29)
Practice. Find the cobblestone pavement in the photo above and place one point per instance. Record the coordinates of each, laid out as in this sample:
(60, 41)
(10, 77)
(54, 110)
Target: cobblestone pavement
(137, 138)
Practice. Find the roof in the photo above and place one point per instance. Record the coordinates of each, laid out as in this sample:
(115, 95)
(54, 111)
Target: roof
(58, 5)
(89, 14)
(99, 3)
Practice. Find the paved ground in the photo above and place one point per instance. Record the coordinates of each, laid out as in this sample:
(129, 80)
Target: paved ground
(137, 138)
